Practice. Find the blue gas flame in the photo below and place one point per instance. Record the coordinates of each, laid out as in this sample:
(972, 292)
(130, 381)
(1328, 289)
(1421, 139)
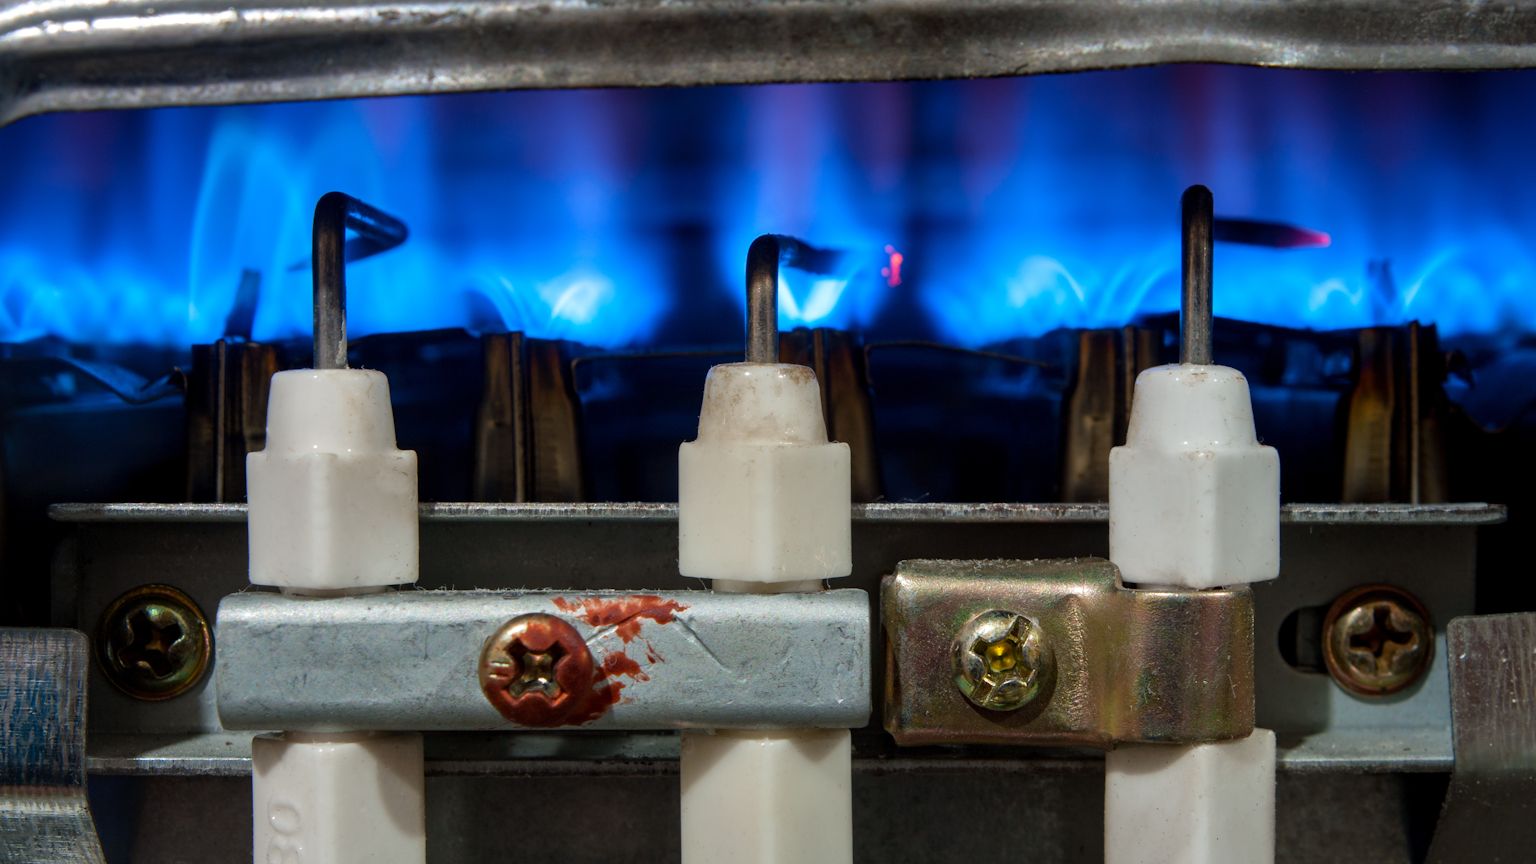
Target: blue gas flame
(547, 251)
(973, 211)
(808, 166)
(1424, 182)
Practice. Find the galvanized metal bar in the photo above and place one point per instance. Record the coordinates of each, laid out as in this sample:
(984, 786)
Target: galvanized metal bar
(76, 55)
(411, 660)
(1122, 666)
(44, 816)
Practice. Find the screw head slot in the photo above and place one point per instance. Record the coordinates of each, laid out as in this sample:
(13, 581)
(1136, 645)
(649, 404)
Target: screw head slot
(1002, 660)
(1377, 640)
(153, 643)
(536, 669)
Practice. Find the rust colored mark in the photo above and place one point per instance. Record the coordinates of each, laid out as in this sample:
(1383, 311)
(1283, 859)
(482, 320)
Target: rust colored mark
(624, 614)
(594, 703)
(621, 664)
(606, 691)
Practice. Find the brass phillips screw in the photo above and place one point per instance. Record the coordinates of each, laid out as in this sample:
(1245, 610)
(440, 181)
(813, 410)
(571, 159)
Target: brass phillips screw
(1002, 660)
(1377, 640)
(153, 643)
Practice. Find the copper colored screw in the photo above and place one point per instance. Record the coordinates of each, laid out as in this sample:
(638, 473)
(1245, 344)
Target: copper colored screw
(153, 643)
(1377, 640)
(536, 669)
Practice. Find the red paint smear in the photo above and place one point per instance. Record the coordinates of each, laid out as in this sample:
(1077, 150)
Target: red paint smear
(624, 614)
(621, 664)
(588, 707)
(606, 691)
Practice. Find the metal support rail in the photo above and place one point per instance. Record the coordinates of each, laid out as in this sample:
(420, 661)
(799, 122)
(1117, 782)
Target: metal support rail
(78, 55)
(422, 660)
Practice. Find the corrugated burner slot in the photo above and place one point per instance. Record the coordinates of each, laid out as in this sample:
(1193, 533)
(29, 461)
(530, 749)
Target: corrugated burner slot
(1361, 415)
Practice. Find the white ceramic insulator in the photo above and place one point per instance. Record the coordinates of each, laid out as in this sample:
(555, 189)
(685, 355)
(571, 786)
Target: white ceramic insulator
(763, 507)
(779, 797)
(339, 799)
(332, 500)
(762, 495)
(1200, 804)
(1194, 499)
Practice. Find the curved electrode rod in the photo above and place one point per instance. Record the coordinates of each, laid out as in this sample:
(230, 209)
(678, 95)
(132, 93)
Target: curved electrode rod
(377, 232)
(764, 258)
(1195, 303)
(763, 299)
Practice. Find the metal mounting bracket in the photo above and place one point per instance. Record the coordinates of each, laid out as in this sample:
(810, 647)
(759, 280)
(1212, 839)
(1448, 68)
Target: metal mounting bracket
(1488, 807)
(1123, 665)
(44, 816)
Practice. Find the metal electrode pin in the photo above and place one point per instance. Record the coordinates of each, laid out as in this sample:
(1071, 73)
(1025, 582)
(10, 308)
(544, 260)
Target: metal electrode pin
(1195, 302)
(377, 232)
